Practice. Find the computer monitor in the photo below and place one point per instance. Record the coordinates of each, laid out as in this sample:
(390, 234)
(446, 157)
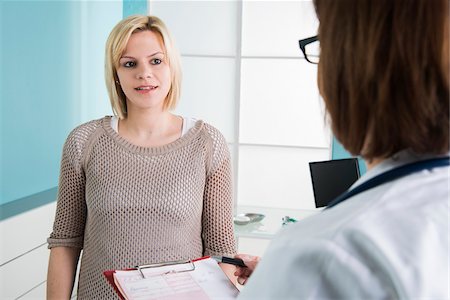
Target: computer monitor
(331, 178)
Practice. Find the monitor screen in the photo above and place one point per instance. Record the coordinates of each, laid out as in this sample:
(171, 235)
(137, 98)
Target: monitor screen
(331, 178)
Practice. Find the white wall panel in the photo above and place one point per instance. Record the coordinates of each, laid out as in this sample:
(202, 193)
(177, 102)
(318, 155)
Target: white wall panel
(20, 252)
(208, 92)
(24, 273)
(38, 292)
(26, 231)
(200, 27)
(277, 177)
(273, 28)
(280, 104)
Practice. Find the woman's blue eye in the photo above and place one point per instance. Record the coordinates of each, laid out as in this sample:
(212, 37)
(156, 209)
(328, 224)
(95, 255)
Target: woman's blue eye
(156, 61)
(129, 64)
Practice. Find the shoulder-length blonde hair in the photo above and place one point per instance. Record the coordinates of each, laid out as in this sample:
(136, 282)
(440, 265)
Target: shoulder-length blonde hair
(115, 46)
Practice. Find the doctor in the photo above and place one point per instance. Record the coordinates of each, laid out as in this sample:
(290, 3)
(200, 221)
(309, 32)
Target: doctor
(384, 77)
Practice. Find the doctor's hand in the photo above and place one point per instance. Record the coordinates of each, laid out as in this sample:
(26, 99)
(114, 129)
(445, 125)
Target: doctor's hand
(244, 273)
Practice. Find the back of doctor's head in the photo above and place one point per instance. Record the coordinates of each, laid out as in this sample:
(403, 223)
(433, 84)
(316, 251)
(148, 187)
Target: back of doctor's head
(384, 74)
(115, 46)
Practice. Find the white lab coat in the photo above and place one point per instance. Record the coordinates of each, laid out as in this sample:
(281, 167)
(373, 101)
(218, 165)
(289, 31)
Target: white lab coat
(390, 242)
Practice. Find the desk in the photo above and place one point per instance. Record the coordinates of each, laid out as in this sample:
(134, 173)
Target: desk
(254, 238)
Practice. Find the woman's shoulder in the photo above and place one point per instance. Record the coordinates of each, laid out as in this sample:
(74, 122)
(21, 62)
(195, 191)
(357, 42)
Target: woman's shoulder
(216, 138)
(218, 150)
(199, 126)
(214, 133)
(88, 127)
(81, 134)
(84, 130)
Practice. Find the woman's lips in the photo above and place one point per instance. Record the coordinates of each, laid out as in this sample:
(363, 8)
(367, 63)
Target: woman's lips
(144, 89)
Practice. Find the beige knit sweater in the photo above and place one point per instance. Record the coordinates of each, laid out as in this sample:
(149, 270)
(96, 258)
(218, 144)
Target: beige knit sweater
(126, 205)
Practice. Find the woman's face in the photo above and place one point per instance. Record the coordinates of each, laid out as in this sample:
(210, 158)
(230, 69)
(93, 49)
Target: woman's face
(143, 72)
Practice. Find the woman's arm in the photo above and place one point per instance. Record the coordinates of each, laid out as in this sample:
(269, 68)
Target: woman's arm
(217, 219)
(217, 222)
(62, 268)
(66, 239)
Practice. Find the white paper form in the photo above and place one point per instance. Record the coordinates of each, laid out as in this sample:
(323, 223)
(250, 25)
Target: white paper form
(207, 281)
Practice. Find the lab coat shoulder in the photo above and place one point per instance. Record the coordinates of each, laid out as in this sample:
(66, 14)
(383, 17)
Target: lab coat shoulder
(302, 266)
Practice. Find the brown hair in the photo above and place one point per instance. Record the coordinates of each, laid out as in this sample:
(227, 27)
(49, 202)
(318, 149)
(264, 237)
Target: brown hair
(384, 74)
(116, 44)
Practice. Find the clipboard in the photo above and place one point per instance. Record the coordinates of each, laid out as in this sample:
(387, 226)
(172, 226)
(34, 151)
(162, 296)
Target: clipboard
(200, 278)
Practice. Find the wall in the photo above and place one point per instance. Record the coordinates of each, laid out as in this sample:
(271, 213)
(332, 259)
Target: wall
(38, 95)
(245, 74)
(51, 80)
(339, 152)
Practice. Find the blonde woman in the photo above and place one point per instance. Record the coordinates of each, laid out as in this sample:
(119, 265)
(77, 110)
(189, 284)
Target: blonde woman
(144, 186)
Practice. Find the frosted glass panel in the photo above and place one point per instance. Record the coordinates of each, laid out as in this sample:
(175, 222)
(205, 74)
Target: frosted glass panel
(208, 92)
(280, 104)
(277, 177)
(200, 27)
(273, 28)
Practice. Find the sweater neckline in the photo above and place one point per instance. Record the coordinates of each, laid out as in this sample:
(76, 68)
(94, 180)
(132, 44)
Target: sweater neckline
(180, 142)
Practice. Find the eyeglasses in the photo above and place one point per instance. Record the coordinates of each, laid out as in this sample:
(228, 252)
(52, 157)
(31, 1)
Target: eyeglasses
(310, 48)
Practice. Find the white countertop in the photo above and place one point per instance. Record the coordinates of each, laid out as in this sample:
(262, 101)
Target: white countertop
(269, 226)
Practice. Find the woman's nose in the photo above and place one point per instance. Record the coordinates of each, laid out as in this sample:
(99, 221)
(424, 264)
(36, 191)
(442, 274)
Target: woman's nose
(144, 72)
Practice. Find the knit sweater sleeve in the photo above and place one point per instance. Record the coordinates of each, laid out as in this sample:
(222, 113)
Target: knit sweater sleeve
(70, 218)
(217, 220)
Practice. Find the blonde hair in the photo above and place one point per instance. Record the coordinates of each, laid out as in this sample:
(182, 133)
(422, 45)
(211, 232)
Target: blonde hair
(115, 46)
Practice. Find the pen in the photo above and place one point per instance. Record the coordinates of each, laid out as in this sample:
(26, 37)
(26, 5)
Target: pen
(228, 260)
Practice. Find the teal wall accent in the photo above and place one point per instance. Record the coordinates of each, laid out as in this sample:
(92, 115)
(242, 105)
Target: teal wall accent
(95, 22)
(338, 152)
(24, 204)
(135, 7)
(37, 93)
(51, 80)
(2, 141)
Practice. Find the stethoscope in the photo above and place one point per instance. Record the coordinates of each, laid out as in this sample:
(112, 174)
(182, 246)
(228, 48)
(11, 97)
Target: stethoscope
(391, 175)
